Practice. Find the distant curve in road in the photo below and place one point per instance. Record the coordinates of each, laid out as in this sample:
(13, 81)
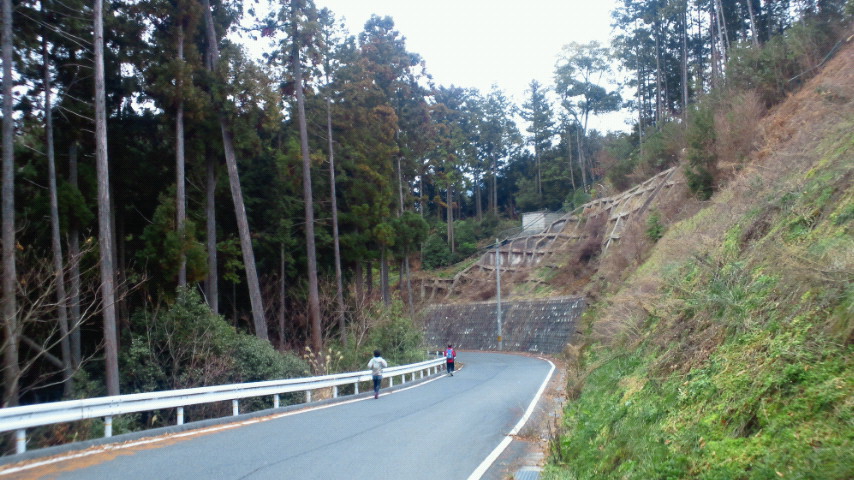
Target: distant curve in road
(447, 428)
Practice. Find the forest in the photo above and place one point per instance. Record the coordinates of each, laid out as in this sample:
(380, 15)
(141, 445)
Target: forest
(178, 213)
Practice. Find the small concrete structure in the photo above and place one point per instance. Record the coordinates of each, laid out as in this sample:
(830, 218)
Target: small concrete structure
(536, 222)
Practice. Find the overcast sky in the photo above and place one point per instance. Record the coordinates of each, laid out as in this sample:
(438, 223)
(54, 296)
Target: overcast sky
(477, 43)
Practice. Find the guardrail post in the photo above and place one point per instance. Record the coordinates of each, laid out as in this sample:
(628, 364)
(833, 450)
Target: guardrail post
(180, 415)
(20, 441)
(108, 426)
(335, 391)
(390, 381)
(308, 396)
(276, 401)
(356, 386)
(235, 409)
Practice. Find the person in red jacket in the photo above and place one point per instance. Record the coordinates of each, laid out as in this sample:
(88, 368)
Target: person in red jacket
(450, 355)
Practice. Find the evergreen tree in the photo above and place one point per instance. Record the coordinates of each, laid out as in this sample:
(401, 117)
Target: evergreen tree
(538, 113)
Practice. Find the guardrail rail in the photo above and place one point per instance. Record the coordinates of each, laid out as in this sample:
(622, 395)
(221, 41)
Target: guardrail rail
(19, 419)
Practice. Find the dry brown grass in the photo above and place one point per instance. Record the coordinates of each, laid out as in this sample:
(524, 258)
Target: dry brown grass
(788, 138)
(737, 120)
(581, 258)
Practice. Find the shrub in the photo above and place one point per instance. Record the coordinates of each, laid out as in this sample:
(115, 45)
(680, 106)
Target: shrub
(256, 360)
(190, 346)
(737, 126)
(661, 149)
(384, 327)
(701, 158)
(437, 254)
(782, 63)
(654, 227)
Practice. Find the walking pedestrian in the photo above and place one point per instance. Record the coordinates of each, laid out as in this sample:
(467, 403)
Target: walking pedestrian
(450, 355)
(377, 364)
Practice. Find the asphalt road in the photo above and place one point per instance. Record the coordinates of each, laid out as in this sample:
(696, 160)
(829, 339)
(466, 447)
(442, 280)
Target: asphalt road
(444, 428)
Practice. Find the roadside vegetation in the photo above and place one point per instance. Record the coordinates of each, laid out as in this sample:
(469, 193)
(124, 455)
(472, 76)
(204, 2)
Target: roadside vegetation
(720, 342)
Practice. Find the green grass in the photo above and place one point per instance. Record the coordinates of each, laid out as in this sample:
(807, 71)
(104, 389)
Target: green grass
(744, 366)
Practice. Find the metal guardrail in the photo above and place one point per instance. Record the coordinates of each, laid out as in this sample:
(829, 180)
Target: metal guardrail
(19, 419)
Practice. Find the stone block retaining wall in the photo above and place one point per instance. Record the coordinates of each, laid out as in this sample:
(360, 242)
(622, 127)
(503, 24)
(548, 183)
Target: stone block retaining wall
(537, 326)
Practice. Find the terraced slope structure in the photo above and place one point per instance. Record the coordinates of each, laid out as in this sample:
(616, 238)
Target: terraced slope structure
(519, 255)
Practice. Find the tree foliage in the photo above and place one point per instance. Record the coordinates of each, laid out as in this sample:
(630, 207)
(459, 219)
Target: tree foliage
(422, 170)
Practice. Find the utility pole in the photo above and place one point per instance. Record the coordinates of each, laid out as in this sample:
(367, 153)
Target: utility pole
(498, 290)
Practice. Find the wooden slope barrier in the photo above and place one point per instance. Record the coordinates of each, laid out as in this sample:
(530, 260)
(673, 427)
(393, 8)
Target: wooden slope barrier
(525, 251)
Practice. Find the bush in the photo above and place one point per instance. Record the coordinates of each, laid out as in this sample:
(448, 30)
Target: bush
(661, 149)
(701, 158)
(737, 126)
(782, 63)
(654, 227)
(256, 360)
(618, 158)
(396, 336)
(384, 327)
(437, 254)
(190, 346)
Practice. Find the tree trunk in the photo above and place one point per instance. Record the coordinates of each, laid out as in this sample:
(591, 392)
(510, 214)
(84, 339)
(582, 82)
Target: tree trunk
(119, 279)
(105, 234)
(659, 115)
(399, 188)
(539, 176)
(311, 253)
(722, 33)
(714, 52)
(282, 297)
(685, 63)
(410, 300)
(493, 203)
(384, 290)
(258, 319)
(477, 197)
(11, 332)
(581, 160)
(450, 209)
(421, 205)
(56, 239)
(369, 277)
(181, 195)
(642, 100)
(360, 282)
(339, 277)
(753, 30)
(74, 258)
(212, 284)
(699, 64)
(568, 137)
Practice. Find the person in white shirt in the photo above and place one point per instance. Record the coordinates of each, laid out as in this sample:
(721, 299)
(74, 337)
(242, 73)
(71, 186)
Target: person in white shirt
(377, 364)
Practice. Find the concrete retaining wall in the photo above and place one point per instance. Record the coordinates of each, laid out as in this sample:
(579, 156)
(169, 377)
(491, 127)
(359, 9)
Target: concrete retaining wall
(539, 326)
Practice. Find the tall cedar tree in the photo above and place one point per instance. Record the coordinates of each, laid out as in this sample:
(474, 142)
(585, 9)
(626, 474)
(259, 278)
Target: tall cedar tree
(258, 318)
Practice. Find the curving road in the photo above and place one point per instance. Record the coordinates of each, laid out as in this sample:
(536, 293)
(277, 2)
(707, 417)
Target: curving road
(445, 428)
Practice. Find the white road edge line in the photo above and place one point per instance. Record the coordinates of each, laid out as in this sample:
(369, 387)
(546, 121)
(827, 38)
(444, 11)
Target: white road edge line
(492, 457)
(201, 431)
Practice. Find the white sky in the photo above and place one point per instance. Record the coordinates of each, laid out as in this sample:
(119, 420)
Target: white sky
(477, 43)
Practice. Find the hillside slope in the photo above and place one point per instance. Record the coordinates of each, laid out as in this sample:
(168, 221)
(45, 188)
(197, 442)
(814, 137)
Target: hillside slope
(728, 351)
